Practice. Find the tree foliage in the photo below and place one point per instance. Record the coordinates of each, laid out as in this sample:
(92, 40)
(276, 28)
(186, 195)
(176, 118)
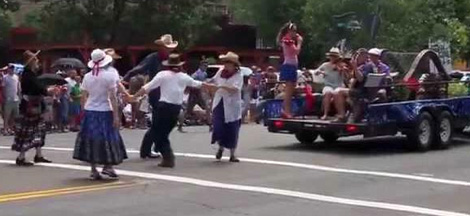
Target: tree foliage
(5, 22)
(122, 21)
(404, 25)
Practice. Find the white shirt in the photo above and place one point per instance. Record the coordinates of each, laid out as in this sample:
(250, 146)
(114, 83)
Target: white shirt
(99, 87)
(11, 87)
(172, 86)
(232, 101)
(70, 84)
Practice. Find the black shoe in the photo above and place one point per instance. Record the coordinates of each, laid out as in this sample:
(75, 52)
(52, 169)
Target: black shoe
(110, 173)
(41, 160)
(234, 159)
(219, 154)
(95, 176)
(150, 156)
(23, 162)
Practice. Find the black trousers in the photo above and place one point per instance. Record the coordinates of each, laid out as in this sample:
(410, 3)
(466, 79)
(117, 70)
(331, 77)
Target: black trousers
(147, 142)
(164, 119)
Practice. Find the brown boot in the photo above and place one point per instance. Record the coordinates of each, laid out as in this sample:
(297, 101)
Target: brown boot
(168, 162)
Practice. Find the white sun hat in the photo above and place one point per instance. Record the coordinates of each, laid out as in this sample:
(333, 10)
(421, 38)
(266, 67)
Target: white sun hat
(375, 51)
(99, 59)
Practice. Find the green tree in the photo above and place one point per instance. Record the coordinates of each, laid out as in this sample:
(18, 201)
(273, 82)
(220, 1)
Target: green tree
(108, 22)
(5, 21)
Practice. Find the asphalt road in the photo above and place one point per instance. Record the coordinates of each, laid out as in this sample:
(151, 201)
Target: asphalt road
(277, 176)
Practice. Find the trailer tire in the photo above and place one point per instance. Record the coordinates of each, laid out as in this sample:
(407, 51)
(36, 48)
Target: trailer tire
(422, 134)
(444, 131)
(306, 137)
(329, 137)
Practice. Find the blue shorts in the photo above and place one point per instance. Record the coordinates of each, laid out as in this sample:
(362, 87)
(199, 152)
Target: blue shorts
(288, 73)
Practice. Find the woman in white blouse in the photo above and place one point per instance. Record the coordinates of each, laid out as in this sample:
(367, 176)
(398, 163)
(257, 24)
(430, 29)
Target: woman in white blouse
(227, 106)
(99, 141)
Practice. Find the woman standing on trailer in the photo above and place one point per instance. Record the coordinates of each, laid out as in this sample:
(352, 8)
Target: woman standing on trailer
(291, 43)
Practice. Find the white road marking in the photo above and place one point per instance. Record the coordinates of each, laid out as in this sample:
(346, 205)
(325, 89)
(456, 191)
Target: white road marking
(308, 166)
(266, 190)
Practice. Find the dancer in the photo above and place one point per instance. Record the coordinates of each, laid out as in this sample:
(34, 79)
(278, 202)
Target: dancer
(99, 141)
(172, 84)
(151, 65)
(227, 106)
(291, 43)
(31, 132)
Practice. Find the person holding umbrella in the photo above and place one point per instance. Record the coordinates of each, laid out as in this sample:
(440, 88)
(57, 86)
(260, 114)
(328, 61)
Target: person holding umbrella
(31, 132)
(99, 140)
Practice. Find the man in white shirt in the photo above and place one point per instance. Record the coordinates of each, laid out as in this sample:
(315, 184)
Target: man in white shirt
(172, 84)
(11, 95)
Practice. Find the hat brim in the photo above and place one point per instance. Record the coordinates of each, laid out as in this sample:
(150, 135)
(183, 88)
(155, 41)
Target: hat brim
(166, 63)
(225, 58)
(333, 54)
(171, 46)
(106, 61)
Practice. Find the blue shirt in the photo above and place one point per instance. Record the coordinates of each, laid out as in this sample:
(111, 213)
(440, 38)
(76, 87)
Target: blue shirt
(200, 75)
(372, 68)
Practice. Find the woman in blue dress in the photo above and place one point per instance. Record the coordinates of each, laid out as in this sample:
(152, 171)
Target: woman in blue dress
(99, 141)
(227, 106)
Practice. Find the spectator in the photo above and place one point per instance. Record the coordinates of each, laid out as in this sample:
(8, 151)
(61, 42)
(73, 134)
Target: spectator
(1, 93)
(135, 84)
(197, 97)
(71, 82)
(75, 107)
(11, 95)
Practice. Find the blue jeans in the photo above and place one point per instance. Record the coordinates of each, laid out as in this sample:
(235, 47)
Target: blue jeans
(64, 111)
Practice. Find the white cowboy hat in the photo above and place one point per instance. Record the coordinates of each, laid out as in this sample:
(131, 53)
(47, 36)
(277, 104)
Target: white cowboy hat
(375, 51)
(167, 41)
(334, 52)
(99, 58)
(230, 57)
(174, 60)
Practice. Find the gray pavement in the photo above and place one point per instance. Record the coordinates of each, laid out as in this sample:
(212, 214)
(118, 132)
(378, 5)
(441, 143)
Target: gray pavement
(154, 196)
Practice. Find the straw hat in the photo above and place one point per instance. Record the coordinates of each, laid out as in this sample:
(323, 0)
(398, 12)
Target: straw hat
(174, 60)
(111, 52)
(29, 56)
(334, 52)
(230, 57)
(99, 59)
(167, 41)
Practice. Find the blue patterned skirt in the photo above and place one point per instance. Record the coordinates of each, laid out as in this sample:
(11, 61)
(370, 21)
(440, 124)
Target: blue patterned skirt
(225, 134)
(98, 141)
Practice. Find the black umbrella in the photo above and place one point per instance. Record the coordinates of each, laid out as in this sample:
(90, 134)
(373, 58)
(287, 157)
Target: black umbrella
(68, 63)
(51, 79)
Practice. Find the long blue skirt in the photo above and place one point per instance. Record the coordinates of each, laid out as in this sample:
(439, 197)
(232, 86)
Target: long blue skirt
(225, 134)
(98, 141)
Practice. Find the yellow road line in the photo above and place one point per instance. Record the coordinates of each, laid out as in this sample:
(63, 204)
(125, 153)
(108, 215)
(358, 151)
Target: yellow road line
(63, 191)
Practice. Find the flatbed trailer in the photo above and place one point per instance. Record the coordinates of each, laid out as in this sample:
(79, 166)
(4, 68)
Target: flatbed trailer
(426, 123)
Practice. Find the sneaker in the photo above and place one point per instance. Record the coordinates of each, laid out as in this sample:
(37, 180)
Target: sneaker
(110, 173)
(95, 176)
(23, 162)
(234, 159)
(41, 160)
(219, 154)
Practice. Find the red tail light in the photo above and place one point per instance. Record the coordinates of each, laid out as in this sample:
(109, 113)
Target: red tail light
(279, 124)
(351, 128)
